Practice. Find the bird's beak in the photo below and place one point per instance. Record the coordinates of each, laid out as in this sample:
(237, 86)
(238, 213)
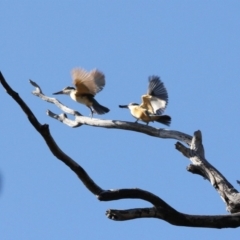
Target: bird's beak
(123, 106)
(60, 92)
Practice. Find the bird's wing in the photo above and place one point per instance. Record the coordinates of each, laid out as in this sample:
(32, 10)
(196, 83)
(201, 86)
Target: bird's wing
(158, 105)
(146, 103)
(159, 94)
(88, 82)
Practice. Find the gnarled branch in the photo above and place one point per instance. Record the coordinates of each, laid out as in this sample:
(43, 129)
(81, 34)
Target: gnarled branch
(202, 167)
(116, 124)
(160, 209)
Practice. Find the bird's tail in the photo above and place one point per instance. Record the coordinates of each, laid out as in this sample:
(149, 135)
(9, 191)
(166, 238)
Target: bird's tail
(99, 109)
(164, 119)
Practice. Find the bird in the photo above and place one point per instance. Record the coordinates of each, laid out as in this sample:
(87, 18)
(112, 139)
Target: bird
(87, 84)
(153, 104)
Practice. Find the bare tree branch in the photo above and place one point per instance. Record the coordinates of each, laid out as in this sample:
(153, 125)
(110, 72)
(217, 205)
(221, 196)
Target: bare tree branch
(202, 167)
(115, 124)
(38, 92)
(56, 151)
(160, 209)
(176, 218)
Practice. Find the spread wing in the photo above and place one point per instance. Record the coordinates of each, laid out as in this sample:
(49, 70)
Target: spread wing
(88, 82)
(146, 103)
(158, 93)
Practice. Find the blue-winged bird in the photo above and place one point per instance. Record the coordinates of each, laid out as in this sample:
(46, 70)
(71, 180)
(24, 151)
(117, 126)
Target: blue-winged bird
(153, 103)
(87, 84)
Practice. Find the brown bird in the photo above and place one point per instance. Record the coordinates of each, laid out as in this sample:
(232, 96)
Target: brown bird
(153, 103)
(87, 84)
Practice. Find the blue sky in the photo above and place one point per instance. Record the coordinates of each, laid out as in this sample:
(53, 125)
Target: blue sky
(193, 45)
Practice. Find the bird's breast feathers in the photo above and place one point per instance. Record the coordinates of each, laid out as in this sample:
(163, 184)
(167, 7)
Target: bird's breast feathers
(84, 99)
(137, 112)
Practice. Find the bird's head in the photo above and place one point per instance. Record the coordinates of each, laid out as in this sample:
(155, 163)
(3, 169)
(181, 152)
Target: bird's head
(66, 90)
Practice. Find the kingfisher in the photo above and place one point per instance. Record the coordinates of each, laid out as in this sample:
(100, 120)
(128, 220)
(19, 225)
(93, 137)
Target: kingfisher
(87, 84)
(153, 104)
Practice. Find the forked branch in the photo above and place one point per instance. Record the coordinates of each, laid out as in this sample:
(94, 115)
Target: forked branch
(202, 167)
(116, 124)
(160, 209)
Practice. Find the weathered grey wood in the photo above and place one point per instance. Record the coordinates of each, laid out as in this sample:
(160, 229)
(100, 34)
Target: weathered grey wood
(160, 209)
(195, 153)
(201, 166)
(39, 93)
(114, 124)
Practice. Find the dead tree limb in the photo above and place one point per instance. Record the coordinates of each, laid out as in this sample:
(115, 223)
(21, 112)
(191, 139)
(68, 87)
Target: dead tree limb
(160, 209)
(202, 167)
(116, 124)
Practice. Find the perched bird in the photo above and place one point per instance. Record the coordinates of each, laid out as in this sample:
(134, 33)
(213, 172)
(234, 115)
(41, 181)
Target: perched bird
(87, 84)
(153, 103)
